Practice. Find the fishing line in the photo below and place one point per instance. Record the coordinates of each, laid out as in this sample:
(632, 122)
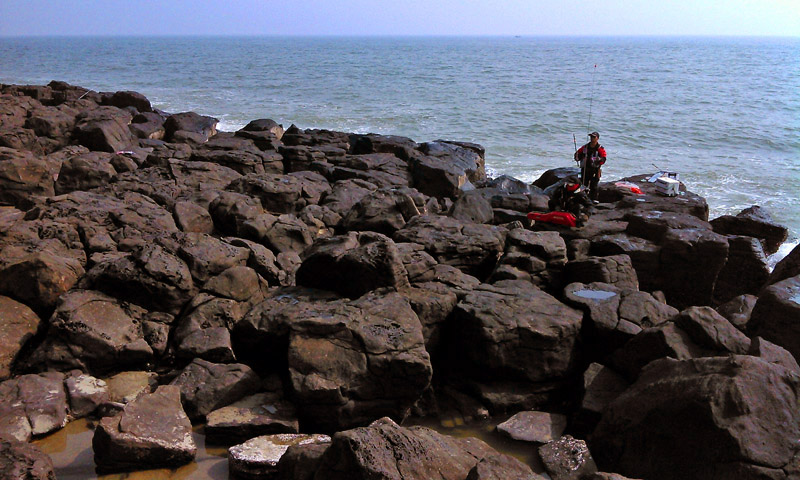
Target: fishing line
(591, 99)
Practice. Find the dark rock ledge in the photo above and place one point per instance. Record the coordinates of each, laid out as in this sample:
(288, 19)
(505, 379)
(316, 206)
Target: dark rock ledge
(302, 293)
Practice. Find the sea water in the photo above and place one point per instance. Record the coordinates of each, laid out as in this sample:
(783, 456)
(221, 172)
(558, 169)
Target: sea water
(722, 112)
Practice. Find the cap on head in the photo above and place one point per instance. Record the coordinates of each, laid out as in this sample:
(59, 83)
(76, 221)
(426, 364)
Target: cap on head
(594, 134)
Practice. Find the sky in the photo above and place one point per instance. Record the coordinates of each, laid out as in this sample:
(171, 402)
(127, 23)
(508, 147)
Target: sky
(401, 17)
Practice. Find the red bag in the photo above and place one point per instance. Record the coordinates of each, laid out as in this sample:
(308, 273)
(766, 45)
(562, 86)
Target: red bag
(557, 218)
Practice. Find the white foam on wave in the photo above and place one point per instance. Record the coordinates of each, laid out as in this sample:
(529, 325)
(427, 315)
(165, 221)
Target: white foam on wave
(784, 250)
(229, 126)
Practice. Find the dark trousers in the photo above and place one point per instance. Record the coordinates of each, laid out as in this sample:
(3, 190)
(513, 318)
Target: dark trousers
(591, 177)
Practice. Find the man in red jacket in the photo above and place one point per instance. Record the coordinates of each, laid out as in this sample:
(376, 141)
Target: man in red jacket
(591, 156)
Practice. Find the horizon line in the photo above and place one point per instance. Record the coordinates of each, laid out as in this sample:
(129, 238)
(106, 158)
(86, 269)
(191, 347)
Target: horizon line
(388, 35)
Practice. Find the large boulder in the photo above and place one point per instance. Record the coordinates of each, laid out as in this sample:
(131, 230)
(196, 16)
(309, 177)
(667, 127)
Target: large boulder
(470, 247)
(387, 451)
(189, 125)
(84, 172)
(24, 461)
(18, 324)
(93, 332)
(349, 361)
(789, 266)
(776, 315)
(691, 260)
(23, 174)
(150, 432)
(283, 193)
(207, 386)
(741, 412)
(352, 264)
(745, 271)
(384, 211)
(127, 98)
(39, 279)
(616, 270)
(536, 256)
(755, 222)
(512, 331)
(104, 129)
(151, 277)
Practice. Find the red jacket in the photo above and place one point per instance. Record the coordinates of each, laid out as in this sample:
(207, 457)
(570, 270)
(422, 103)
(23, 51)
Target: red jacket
(598, 159)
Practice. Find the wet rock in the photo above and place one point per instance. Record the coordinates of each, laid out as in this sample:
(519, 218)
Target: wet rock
(740, 410)
(178, 125)
(386, 450)
(24, 461)
(755, 222)
(151, 432)
(745, 271)
(352, 264)
(470, 247)
(501, 467)
(513, 330)
(738, 310)
(206, 386)
(301, 462)
(554, 175)
(250, 417)
(38, 400)
(775, 315)
(616, 270)
(384, 211)
(530, 426)
(18, 324)
(103, 129)
(788, 267)
(259, 457)
(567, 459)
(23, 174)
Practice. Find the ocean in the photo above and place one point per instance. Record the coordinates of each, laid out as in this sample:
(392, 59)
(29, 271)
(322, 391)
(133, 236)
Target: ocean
(722, 112)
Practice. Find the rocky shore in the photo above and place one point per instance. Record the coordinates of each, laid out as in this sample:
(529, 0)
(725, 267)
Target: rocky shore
(301, 293)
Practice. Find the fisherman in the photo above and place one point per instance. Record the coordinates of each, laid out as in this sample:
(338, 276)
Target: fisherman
(571, 197)
(591, 157)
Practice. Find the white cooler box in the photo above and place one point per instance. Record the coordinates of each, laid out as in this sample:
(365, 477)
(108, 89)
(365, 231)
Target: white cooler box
(668, 186)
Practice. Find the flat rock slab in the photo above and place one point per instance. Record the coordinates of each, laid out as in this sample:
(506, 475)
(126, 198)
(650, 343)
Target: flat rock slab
(206, 386)
(258, 457)
(530, 426)
(253, 416)
(86, 393)
(151, 432)
(124, 387)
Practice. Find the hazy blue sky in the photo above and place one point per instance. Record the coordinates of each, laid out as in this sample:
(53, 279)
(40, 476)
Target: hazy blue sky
(400, 17)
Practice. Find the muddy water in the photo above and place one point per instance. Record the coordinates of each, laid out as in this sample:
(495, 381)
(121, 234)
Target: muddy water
(71, 451)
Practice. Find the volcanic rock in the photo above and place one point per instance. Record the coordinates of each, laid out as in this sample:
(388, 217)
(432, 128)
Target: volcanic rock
(755, 222)
(151, 432)
(207, 386)
(24, 461)
(776, 313)
(259, 457)
(18, 324)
